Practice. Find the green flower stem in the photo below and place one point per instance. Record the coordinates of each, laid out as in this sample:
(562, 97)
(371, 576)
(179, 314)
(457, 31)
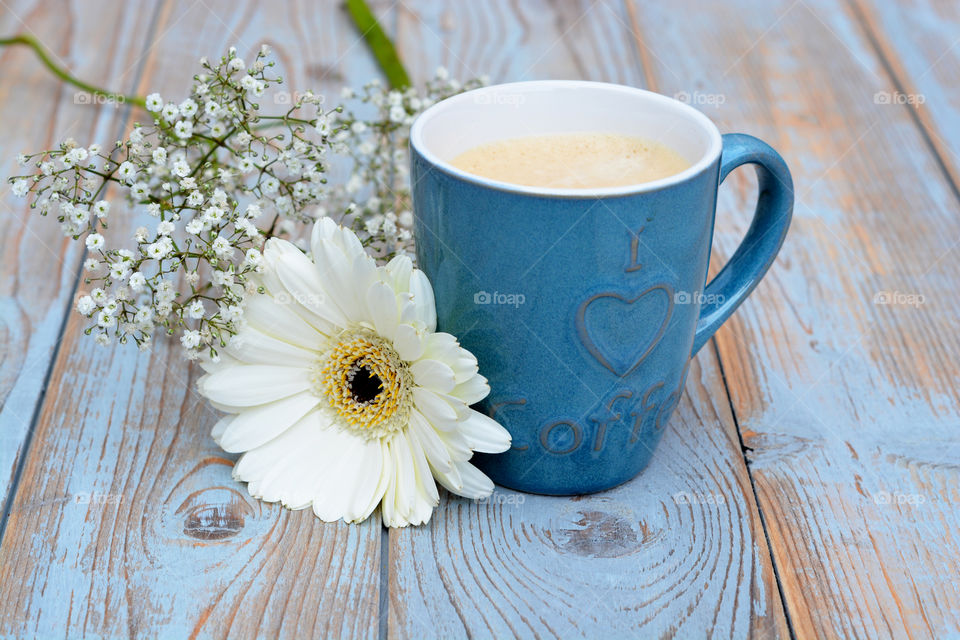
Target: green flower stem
(64, 75)
(380, 45)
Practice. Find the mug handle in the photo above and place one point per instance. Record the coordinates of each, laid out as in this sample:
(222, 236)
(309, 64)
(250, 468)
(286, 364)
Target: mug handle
(760, 245)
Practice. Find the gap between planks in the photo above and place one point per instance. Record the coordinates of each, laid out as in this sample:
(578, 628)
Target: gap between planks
(123, 120)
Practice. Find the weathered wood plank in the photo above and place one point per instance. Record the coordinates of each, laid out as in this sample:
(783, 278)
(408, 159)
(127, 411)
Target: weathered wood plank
(920, 42)
(126, 521)
(842, 367)
(37, 264)
(636, 561)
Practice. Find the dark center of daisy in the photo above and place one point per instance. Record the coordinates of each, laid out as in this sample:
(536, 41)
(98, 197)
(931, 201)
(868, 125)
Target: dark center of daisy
(364, 384)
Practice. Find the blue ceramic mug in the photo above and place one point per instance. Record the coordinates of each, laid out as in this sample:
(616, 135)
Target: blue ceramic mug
(584, 307)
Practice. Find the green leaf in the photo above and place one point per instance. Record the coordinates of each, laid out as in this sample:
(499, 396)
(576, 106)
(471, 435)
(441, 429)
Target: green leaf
(381, 45)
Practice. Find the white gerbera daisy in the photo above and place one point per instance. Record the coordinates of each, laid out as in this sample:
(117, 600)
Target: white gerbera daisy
(341, 393)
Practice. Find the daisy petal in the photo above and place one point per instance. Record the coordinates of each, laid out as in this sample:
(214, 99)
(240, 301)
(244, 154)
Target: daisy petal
(434, 408)
(252, 384)
(426, 487)
(434, 375)
(472, 391)
(484, 434)
(398, 272)
(255, 347)
(306, 286)
(382, 309)
(399, 503)
(345, 491)
(219, 428)
(307, 450)
(475, 483)
(261, 424)
(280, 321)
(426, 305)
(408, 343)
(433, 447)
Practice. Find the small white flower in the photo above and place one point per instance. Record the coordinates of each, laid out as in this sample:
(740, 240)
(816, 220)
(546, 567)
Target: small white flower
(194, 227)
(144, 316)
(246, 227)
(76, 156)
(221, 247)
(243, 138)
(183, 129)
(105, 320)
(253, 258)
(154, 209)
(190, 339)
(127, 172)
(188, 108)
(98, 295)
(194, 199)
(212, 109)
(248, 82)
(165, 228)
(139, 190)
(94, 241)
(397, 113)
(181, 168)
(270, 185)
(102, 339)
(154, 102)
(213, 214)
(361, 381)
(322, 127)
(253, 211)
(86, 305)
(245, 164)
(91, 264)
(237, 64)
(20, 188)
(101, 209)
(94, 149)
(195, 310)
(138, 282)
(160, 249)
(119, 271)
(169, 112)
(160, 156)
(136, 136)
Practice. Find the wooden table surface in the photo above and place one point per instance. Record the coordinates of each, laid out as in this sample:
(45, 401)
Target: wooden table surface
(808, 485)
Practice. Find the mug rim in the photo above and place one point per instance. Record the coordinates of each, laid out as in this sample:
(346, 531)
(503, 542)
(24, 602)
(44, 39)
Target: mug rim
(704, 162)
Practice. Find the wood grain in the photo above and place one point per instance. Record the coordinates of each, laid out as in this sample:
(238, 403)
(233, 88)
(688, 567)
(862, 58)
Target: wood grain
(920, 45)
(842, 366)
(37, 264)
(678, 551)
(125, 521)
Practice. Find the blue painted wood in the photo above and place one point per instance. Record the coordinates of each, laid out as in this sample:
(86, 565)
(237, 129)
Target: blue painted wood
(39, 267)
(842, 377)
(125, 521)
(919, 43)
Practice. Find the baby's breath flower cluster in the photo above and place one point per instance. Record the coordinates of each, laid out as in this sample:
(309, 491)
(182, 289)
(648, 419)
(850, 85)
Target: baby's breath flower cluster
(215, 178)
(374, 130)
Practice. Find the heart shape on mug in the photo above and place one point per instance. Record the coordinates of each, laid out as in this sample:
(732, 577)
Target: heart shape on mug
(599, 333)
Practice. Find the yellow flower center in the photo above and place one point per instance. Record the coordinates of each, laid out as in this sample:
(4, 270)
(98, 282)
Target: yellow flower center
(366, 383)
